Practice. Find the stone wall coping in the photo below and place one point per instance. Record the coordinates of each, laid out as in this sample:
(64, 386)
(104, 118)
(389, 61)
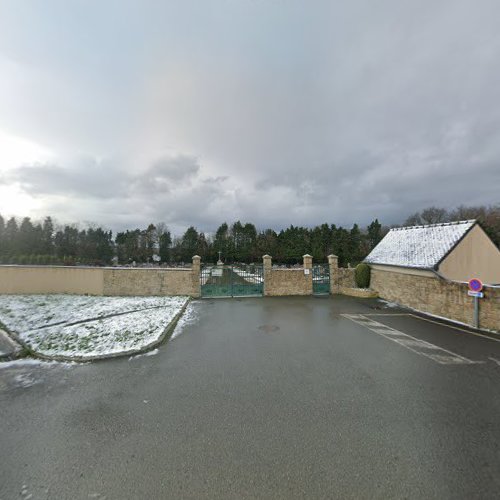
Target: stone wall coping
(147, 268)
(97, 268)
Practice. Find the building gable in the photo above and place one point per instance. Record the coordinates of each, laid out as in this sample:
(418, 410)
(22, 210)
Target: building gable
(475, 256)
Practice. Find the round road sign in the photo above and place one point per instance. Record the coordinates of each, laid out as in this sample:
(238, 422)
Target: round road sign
(475, 285)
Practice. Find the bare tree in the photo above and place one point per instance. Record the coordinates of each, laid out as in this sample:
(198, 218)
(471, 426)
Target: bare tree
(434, 215)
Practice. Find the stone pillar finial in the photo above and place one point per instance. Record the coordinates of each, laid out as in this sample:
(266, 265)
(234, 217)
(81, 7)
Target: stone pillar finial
(268, 261)
(333, 263)
(196, 261)
(268, 268)
(333, 260)
(308, 261)
(195, 275)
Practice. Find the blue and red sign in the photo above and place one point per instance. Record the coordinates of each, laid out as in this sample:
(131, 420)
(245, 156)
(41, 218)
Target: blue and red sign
(475, 285)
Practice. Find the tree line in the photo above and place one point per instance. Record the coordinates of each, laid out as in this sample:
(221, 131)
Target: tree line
(488, 217)
(23, 241)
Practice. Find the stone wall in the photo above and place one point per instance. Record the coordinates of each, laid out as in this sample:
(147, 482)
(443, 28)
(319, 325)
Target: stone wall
(341, 278)
(51, 279)
(100, 281)
(287, 282)
(150, 282)
(437, 296)
(279, 282)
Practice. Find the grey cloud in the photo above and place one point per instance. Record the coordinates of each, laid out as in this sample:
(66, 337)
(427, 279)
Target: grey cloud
(85, 177)
(278, 115)
(176, 169)
(109, 178)
(166, 174)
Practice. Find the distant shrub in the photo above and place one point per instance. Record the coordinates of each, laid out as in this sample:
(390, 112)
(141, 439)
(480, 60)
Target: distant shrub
(68, 260)
(362, 275)
(40, 260)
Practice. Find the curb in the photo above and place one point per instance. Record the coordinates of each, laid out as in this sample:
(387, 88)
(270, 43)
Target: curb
(85, 359)
(19, 348)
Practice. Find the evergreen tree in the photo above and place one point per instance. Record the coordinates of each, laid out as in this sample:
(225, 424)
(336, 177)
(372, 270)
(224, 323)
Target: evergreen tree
(266, 243)
(150, 243)
(25, 237)
(374, 234)
(355, 245)
(47, 237)
(202, 247)
(11, 235)
(165, 243)
(128, 247)
(2, 239)
(221, 242)
(189, 244)
(67, 242)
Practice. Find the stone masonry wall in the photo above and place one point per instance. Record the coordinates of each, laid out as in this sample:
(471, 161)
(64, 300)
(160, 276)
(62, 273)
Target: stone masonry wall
(287, 282)
(151, 282)
(341, 278)
(100, 281)
(279, 282)
(437, 296)
(50, 279)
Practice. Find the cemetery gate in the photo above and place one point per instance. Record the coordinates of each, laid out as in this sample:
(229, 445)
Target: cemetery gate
(237, 280)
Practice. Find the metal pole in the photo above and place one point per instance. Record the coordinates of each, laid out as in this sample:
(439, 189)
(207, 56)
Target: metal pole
(476, 312)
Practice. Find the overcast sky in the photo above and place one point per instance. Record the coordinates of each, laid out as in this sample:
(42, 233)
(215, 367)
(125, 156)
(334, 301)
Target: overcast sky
(271, 111)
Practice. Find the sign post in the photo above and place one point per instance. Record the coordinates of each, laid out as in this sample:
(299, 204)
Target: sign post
(475, 287)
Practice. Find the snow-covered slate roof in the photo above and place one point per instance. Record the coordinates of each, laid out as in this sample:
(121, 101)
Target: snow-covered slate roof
(418, 246)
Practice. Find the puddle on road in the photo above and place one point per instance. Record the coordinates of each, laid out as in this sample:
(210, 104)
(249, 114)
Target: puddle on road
(269, 328)
(27, 372)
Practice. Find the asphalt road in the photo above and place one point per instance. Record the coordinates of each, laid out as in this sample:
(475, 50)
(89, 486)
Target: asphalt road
(263, 398)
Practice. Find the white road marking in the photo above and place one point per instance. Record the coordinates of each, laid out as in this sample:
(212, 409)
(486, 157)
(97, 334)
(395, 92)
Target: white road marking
(387, 314)
(497, 361)
(431, 351)
(453, 327)
(456, 328)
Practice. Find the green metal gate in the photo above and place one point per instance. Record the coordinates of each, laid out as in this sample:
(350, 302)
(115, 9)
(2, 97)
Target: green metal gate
(321, 279)
(237, 280)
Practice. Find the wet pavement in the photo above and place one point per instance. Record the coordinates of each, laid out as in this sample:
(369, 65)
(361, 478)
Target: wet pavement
(327, 397)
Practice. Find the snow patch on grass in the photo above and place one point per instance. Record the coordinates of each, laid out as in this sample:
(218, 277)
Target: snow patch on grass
(105, 325)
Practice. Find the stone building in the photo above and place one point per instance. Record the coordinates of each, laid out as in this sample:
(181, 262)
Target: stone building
(457, 251)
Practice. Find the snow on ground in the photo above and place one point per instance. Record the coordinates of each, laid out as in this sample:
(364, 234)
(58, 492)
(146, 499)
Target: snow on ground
(189, 317)
(83, 326)
(248, 276)
(387, 303)
(31, 363)
(146, 354)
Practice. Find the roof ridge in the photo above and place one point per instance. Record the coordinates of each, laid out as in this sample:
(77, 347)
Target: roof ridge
(439, 224)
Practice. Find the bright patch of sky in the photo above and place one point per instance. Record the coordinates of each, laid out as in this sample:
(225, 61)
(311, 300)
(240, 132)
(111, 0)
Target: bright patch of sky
(275, 112)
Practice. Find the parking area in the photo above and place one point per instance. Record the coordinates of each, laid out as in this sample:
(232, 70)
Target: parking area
(306, 397)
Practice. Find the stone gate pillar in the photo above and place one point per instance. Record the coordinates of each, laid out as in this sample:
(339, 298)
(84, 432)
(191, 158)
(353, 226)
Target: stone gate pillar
(267, 260)
(333, 262)
(308, 264)
(195, 275)
(308, 261)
